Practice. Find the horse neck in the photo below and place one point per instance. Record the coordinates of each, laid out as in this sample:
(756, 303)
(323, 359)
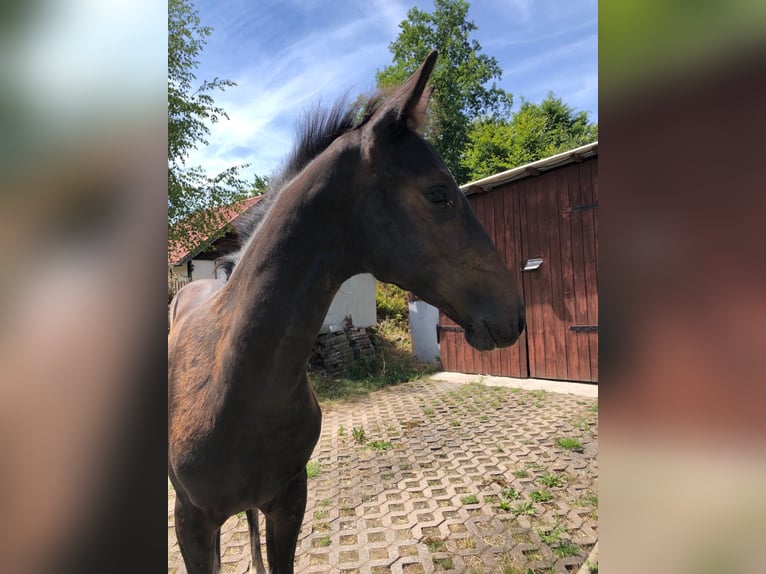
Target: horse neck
(281, 290)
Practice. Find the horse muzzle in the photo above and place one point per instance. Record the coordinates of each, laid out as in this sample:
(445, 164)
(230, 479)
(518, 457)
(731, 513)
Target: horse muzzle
(494, 332)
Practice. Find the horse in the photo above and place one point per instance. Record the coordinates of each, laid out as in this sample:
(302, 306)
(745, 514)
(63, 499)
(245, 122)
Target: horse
(362, 192)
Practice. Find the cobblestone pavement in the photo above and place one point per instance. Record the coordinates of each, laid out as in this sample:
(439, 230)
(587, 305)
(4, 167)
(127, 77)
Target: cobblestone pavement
(447, 477)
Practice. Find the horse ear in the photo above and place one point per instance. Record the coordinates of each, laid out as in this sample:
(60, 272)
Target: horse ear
(417, 120)
(407, 107)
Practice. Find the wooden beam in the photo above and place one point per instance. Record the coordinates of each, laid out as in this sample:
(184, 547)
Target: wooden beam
(532, 171)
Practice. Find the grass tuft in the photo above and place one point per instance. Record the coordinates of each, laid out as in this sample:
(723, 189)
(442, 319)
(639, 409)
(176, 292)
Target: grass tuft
(551, 479)
(541, 496)
(569, 443)
(313, 468)
(380, 445)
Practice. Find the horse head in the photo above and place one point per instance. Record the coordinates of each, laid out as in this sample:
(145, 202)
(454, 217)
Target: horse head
(417, 230)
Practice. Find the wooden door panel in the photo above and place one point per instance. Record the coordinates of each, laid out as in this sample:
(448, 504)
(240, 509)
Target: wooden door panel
(561, 215)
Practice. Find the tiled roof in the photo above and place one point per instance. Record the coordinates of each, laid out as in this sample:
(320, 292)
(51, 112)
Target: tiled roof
(179, 254)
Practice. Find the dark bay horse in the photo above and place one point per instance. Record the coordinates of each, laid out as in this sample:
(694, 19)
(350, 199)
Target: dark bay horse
(357, 195)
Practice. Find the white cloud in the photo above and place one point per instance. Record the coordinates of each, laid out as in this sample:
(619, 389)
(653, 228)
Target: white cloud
(285, 58)
(271, 93)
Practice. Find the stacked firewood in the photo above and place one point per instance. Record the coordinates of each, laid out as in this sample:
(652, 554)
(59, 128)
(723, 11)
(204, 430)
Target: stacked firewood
(335, 351)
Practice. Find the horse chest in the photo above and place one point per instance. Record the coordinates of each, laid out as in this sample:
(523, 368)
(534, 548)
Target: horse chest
(251, 456)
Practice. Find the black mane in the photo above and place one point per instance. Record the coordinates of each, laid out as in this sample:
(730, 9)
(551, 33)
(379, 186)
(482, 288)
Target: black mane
(316, 130)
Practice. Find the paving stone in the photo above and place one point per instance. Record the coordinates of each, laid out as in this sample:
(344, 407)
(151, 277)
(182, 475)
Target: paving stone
(435, 497)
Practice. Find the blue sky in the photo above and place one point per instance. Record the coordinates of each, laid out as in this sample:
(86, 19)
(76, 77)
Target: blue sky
(285, 55)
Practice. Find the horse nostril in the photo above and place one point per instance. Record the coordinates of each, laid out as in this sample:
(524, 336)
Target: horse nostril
(522, 320)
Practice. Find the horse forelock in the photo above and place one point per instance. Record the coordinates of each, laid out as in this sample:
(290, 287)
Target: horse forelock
(316, 130)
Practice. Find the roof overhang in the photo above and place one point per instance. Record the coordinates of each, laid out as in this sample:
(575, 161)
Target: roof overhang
(531, 169)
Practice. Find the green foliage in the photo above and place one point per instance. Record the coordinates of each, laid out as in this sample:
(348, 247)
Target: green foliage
(434, 544)
(534, 132)
(541, 496)
(525, 508)
(391, 303)
(258, 186)
(567, 549)
(192, 193)
(553, 535)
(569, 443)
(463, 78)
(313, 468)
(551, 479)
(511, 494)
(358, 434)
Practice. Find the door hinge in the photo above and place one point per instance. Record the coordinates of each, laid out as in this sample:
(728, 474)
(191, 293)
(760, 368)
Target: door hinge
(584, 328)
(582, 207)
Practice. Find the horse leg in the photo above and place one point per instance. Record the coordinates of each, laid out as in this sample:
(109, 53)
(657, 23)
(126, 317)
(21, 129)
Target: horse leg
(284, 516)
(255, 541)
(198, 537)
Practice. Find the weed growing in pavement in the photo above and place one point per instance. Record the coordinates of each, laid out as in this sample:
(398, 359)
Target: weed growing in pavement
(541, 496)
(551, 479)
(434, 544)
(567, 549)
(569, 443)
(552, 536)
(511, 494)
(525, 508)
(313, 468)
(380, 445)
(358, 434)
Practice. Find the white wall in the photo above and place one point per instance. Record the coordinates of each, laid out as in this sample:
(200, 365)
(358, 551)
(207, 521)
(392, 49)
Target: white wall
(203, 269)
(423, 321)
(355, 298)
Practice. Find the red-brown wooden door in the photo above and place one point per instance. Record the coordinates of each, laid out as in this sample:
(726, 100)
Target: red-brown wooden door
(560, 227)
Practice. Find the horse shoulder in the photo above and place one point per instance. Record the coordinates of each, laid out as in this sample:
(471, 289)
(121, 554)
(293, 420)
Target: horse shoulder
(190, 296)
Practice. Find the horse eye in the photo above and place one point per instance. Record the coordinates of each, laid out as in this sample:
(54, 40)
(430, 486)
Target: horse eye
(437, 195)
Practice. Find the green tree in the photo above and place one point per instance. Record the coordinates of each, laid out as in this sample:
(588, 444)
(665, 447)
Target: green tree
(193, 195)
(463, 80)
(259, 185)
(533, 132)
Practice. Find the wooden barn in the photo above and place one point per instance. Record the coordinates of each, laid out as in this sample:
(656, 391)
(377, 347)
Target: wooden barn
(543, 218)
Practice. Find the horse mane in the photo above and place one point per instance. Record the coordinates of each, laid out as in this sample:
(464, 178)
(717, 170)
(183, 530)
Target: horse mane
(315, 131)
